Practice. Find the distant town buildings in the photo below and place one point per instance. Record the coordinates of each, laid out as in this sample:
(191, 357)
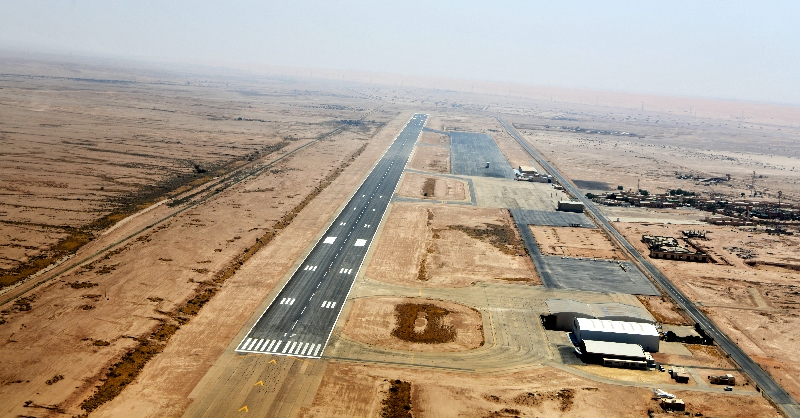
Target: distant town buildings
(668, 248)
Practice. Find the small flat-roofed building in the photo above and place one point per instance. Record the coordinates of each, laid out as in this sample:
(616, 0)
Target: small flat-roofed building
(646, 335)
(679, 374)
(727, 379)
(528, 170)
(613, 354)
(569, 206)
(673, 404)
(564, 312)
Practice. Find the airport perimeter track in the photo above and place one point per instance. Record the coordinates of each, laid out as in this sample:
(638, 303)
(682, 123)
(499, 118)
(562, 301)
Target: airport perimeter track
(763, 380)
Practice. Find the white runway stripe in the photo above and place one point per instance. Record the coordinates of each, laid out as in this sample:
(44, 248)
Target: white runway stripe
(333, 305)
(250, 346)
(275, 350)
(270, 345)
(244, 343)
(299, 346)
(258, 345)
(317, 349)
(262, 347)
(303, 351)
(286, 347)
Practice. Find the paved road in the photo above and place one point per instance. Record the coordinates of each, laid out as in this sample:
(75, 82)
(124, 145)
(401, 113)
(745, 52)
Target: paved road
(300, 319)
(764, 381)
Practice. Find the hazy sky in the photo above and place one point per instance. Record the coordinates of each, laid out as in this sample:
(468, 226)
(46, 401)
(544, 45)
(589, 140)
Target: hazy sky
(727, 49)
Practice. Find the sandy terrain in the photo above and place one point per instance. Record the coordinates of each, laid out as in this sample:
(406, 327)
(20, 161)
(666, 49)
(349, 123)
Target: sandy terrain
(575, 242)
(676, 144)
(418, 186)
(643, 376)
(430, 158)
(372, 320)
(433, 138)
(705, 356)
(357, 391)
(756, 307)
(418, 235)
(685, 216)
(98, 311)
(80, 154)
(141, 285)
(663, 310)
(513, 152)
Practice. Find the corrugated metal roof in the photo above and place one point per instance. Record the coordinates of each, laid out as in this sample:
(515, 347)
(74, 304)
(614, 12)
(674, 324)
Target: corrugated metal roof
(613, 349)
(617, 327)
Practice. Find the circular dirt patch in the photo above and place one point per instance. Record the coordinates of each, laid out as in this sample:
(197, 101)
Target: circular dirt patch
(415, 324)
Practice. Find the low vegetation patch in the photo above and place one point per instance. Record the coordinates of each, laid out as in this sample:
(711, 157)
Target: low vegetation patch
(82, 285)
(515, 279)
(504, 413)
(564, 397)
(501, 236)
(422, 272)
(434, 330)
(429, 187)
(23, 304)
(54, 379)
(397, 403)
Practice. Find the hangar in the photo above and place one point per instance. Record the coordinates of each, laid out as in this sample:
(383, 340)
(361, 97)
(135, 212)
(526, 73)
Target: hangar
(564, 311)
(646, 335)
(617, 354)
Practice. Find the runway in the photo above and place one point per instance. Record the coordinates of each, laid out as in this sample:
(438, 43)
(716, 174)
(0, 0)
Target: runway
(300, 319)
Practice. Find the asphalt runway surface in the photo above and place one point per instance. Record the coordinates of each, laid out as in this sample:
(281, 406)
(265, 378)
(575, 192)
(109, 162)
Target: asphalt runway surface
(763, 380)
(300, 319)
(469, 153)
